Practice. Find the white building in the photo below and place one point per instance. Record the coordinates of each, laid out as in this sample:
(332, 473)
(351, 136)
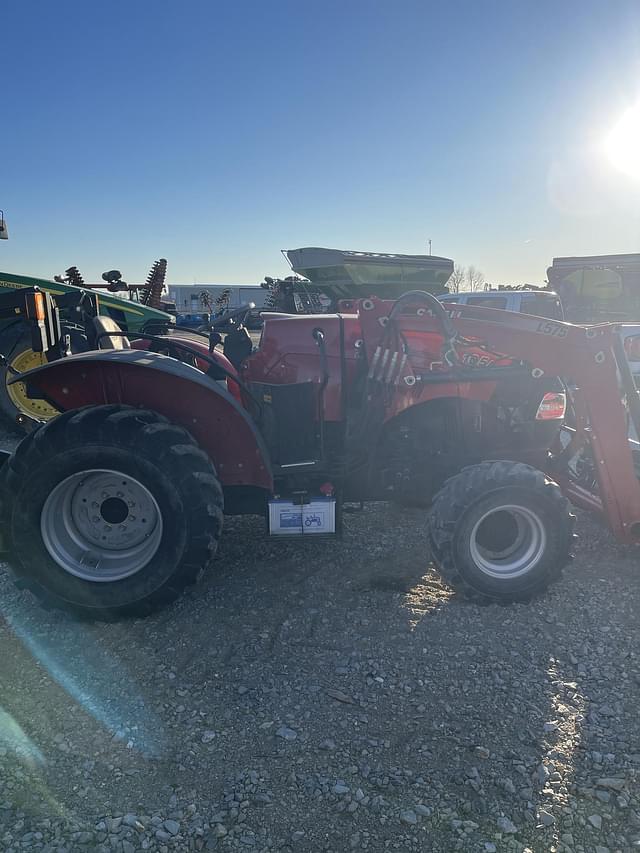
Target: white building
(188, 296)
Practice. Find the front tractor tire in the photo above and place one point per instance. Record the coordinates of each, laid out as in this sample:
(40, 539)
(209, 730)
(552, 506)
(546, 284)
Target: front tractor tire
(110, 511)
(500, 532)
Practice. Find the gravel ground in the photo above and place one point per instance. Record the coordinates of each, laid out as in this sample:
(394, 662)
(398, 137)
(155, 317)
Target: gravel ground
(329, 697)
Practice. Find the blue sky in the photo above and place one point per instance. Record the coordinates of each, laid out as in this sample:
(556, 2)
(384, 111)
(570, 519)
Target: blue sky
(215, 134)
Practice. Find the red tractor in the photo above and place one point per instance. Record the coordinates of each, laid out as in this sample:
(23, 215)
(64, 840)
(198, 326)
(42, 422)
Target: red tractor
(117, 504)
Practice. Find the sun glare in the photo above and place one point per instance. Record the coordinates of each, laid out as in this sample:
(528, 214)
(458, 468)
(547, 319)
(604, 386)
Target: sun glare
(623, 143)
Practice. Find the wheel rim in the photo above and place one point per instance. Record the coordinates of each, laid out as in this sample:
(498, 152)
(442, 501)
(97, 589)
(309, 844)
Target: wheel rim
(508, 541)
(101, 525)
(38, 410)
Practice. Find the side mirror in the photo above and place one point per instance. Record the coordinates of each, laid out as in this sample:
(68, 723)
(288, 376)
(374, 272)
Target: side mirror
(4, 234)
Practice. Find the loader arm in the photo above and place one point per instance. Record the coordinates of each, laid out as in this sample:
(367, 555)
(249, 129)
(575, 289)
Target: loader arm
(590, 357)
(180, 392)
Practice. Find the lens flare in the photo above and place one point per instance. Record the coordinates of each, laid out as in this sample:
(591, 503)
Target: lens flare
(13, 737)
(623, 143)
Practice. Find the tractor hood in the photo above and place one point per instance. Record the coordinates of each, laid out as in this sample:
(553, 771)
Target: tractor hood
(135, 315)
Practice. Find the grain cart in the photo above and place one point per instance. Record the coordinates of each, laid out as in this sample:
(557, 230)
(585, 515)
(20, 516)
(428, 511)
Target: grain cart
(116, 505)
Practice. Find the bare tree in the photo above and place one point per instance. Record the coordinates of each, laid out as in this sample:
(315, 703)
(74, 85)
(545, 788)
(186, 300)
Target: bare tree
(475, 279)
(456, 279)
(222, 302)
(206, 301)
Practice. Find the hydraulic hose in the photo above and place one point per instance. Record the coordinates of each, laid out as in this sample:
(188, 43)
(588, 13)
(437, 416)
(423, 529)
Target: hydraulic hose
(318, 336)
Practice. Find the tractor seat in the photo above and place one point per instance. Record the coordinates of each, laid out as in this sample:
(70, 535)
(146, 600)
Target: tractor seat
(103, 324)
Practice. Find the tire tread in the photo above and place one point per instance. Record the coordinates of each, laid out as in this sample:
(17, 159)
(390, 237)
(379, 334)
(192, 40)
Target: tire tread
(465, 488)
(168, 447)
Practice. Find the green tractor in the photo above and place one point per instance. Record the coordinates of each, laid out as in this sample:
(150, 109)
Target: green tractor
(138, 311)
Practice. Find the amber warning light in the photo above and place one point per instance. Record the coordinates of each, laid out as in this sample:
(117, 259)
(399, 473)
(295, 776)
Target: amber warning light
(35, 306)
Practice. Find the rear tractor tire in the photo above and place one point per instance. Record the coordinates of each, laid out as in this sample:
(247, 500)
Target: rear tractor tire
(110, 511)
(500, 532)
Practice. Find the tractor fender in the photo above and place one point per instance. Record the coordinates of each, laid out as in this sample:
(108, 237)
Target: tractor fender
(180, 392)
(201, 364)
